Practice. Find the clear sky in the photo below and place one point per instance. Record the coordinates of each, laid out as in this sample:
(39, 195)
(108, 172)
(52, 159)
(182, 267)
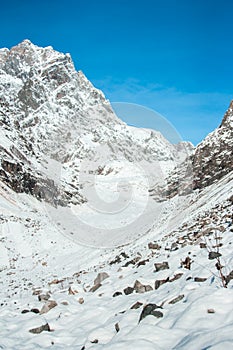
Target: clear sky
(174, 56)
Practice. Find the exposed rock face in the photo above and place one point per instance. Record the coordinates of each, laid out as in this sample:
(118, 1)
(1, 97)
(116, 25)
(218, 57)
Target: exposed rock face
(211, 160)
(213, 156)
(23, 181)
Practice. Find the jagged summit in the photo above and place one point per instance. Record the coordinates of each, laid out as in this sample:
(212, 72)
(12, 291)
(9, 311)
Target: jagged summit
(228, 117)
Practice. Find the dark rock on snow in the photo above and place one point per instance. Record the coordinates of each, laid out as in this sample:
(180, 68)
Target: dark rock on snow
(161, 266)
(150, 309)
(137, 305)
(116, 294)
(40, 329)
(128, 290)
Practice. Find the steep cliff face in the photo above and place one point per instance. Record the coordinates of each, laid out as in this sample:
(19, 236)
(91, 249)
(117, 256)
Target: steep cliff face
(213, 157)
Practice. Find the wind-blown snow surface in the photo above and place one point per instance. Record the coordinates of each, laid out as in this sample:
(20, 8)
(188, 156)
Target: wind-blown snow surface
(42, 98)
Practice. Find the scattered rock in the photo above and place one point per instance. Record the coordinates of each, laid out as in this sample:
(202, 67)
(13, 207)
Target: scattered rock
(186, 263)
(35, 311)
(116, 294)
(118, 258)
(137, 305)
(229, 277)
(218, 266)
(150, 309)
(159, 283)
(128, 290)
(48, 306)
(177, 299)
(40, 329)
(95, 341)
(132, 261)
(36, 292)
(161, 266)
(100, 277)
(95, 287)
(174, 247)
(71, 291)
(200, 279)
(142, 262)
(211, 311)
(56, 281)
(176, 277)
(117, 327)
(154, 246)
(124, 255)
(141, 288)
(25, 311)
(65, 303)
(43, 297)
(214, 255)
(203, 245)
(81, 300)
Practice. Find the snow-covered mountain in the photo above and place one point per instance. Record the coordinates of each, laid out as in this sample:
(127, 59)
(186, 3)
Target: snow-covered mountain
(213, 156)
(61, 137)
(75, 178)
(48, 110)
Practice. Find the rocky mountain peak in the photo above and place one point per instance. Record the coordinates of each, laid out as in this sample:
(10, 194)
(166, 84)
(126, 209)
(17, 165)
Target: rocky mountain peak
(228, 117)
(213, 156)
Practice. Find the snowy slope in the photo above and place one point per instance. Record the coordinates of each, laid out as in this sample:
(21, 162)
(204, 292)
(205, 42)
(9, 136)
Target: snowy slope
(81, 193)
(36, 259)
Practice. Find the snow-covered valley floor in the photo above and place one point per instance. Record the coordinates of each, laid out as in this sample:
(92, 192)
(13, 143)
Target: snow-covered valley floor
(97, 296)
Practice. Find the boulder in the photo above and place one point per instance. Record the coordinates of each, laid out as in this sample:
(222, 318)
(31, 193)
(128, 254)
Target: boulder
(128, 290)
(116, 294)
(137, 305)
(159, 283)
(214, 255)
(100, 277)
(150, 309)
(161, 266)
(141, 288)
(177, 299)
(50, 304)
(95, 287)
(154, 246)
(40, 329)
(200, 279)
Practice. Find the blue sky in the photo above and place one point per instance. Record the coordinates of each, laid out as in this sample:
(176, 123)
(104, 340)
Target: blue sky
(174, 56)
